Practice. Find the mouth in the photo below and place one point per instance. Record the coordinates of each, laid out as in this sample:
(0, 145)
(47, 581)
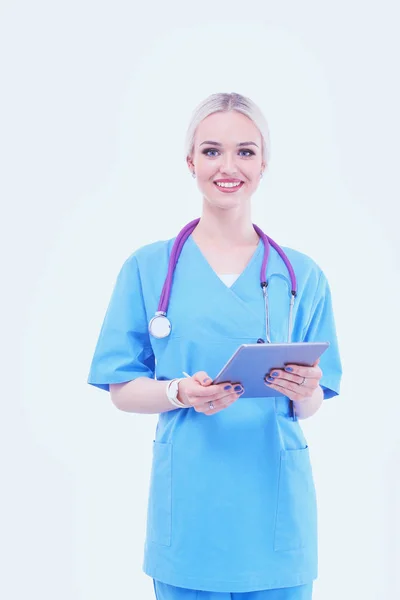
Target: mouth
(228, 186)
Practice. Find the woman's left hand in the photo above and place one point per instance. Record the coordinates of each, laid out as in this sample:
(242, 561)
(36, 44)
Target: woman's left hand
(296, 382)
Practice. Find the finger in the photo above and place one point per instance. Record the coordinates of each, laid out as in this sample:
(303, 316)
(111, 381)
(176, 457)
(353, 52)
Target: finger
(200, 396)
(280, 376)
(219, 403)
(202, 387)
(224, 398)
(229, 393)
(202, 377)
(295, 391)
(295, 396)
(214, 390)
(205, 381)
(301, 371)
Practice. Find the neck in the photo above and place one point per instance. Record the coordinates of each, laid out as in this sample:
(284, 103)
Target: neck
(226, 228)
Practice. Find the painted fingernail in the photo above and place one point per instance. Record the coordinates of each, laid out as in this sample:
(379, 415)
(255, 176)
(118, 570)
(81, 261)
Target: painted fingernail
(207, 379)
(275, 374)
(270, 379)
(237, 388)
(288, 369)
(227, 387)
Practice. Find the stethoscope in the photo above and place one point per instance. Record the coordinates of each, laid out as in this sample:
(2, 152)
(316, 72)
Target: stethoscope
(160, 325)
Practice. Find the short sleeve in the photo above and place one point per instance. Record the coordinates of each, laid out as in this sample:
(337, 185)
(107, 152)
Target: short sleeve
(123, 351)
(321, 328)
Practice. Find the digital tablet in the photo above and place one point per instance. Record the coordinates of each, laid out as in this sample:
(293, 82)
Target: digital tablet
(251, 362)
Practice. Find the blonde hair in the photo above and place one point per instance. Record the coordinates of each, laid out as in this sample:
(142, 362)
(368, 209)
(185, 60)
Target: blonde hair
(222, 102)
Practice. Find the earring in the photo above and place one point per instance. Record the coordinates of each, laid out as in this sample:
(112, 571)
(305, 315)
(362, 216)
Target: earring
(193, 174)
(261, 174)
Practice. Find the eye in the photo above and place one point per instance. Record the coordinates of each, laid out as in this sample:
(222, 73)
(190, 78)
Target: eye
(207, 150)
(250, 151)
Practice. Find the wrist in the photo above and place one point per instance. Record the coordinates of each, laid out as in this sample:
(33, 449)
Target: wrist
(180, 396)
(172, 393)
(308, 406)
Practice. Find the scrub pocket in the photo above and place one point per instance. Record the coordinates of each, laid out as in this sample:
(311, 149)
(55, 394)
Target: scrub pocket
(296, 516)
(159, 516)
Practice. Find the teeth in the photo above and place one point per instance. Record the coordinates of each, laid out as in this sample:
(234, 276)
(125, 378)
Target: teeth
(228, 184)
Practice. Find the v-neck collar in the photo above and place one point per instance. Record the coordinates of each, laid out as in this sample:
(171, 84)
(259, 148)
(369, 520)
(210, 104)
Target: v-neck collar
(247, 268)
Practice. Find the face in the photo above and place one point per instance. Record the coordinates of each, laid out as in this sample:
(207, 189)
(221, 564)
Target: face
(227, 146)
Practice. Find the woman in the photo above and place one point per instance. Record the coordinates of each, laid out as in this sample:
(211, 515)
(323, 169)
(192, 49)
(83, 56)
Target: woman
(232, 508)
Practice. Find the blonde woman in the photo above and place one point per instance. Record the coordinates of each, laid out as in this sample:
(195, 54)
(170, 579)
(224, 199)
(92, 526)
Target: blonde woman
(232, 507)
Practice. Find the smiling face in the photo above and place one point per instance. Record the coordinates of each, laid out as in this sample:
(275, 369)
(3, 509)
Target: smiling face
(227, 147)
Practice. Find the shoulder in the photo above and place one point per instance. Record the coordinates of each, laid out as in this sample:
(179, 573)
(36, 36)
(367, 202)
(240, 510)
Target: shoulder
(302, 261)
(309, 273)
(149, 255)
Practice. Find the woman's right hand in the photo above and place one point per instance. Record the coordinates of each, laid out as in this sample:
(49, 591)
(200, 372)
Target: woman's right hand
(198, 391)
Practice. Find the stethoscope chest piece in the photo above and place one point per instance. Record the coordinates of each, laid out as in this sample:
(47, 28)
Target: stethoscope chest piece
(160, 326)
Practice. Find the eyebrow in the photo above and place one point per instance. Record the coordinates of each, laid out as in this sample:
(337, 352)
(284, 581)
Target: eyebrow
(240, 144)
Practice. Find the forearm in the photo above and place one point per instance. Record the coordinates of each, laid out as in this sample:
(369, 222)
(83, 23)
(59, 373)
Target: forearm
(141, 395)
(309, 406)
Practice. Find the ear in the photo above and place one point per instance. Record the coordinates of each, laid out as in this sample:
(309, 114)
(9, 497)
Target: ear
(190, 163)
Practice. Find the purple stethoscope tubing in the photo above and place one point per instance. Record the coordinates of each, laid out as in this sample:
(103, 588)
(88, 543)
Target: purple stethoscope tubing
(173, 260)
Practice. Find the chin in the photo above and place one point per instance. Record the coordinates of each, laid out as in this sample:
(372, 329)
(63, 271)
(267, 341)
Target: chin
(228, 204)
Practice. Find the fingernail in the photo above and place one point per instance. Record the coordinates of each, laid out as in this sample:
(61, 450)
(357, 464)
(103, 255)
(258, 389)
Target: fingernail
(227, 387)
(237, 388)
(270, 379)
(288, 369)
(207, 379)
(275, 374)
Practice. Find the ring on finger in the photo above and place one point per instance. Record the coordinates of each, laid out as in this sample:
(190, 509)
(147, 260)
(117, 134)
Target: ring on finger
(302, 383)
(211, 405)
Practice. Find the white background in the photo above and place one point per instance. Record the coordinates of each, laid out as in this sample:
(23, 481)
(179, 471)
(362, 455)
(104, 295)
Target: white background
(95, 101)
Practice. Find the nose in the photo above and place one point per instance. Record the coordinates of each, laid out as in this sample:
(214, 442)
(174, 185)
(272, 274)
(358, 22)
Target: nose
(228, 165)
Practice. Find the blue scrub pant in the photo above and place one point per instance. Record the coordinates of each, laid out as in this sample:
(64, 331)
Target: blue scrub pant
(164, 591)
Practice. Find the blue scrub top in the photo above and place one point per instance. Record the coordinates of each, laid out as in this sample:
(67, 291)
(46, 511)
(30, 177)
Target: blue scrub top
(232, 503)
